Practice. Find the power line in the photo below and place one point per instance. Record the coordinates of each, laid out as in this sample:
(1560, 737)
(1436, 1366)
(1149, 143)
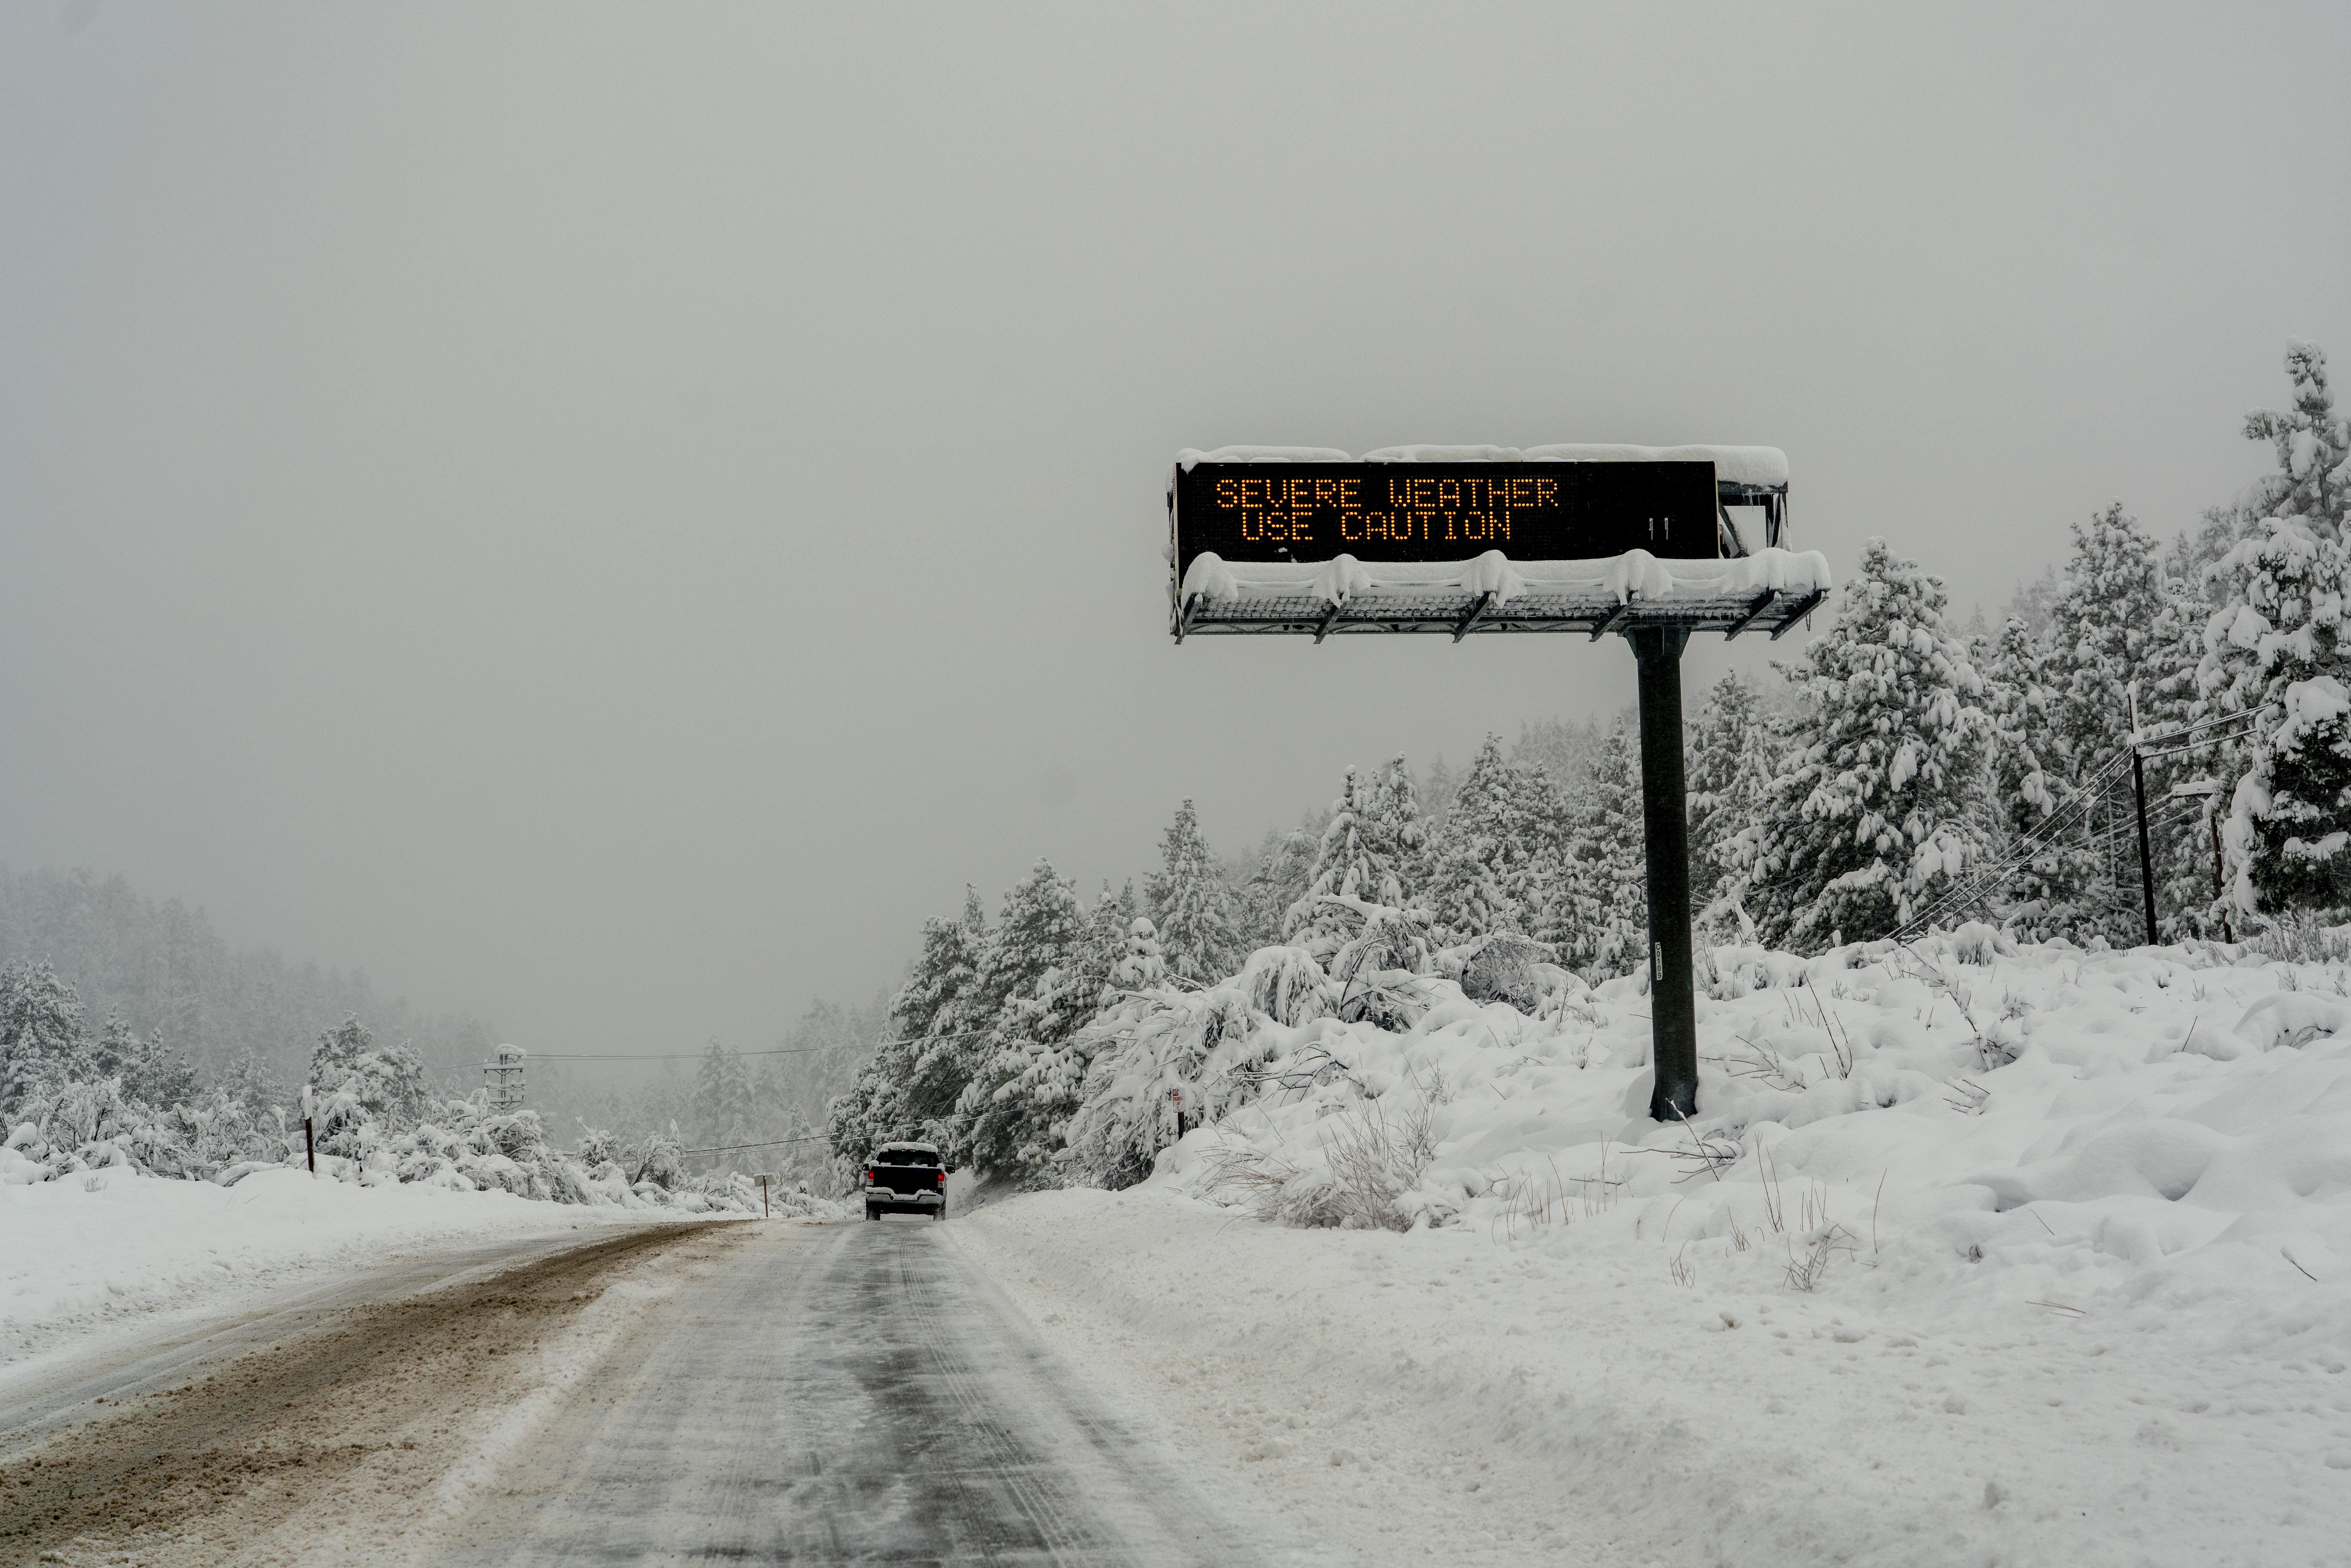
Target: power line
(2095, 791)
(770, 1144)
(682, 1055)
(779, 1051)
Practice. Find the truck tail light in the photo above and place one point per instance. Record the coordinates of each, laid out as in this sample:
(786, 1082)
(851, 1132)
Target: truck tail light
(943, 1178)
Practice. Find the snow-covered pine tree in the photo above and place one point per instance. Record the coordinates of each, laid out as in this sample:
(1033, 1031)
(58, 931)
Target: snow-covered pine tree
(1886, 795)
(1041, 927)
(1285, 870)
(1404, 828)
(2187, 900)
(2313, 443)
(1104, 942)
(386, 1082)
(2042, 897)
(1190, 905)
(1017, 1112)
(40, 1034)
(1436, 793)
(1730, 771)
(1141, 963)
(1026, 993)
(2274, 647)
(724, 1114)
(251, 1083)
(937, 1019)
(158, 1076)
(2103, 635)
(1360, 855)
(1608, 865)
(1483, 852)
(1143, 1054)
(1009, 1121)
(1541, 884)
(2105, 631)
(112, 1052)
(153, 1074)
(1561, 748)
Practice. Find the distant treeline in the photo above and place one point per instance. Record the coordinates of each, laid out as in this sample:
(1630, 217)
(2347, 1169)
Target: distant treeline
(162, 968)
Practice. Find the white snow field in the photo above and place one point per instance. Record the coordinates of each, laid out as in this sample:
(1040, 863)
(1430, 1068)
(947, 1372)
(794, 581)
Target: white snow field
(112, 1251)
(1976, 1256)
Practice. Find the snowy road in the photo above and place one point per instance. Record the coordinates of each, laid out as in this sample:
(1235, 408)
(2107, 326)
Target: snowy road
(783, 1393)
(846, 1394)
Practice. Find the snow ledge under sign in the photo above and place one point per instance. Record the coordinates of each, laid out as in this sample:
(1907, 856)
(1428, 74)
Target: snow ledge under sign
(1619, 580)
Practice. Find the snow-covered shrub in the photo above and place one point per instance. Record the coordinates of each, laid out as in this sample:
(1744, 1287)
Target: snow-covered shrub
(1503, 967)
(1370, 1159)
(1161, 1056)
(1286, 984)
(2293, 937)
(355, 1084)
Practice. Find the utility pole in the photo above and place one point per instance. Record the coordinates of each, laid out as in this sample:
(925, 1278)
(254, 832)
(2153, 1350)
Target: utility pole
(1664, 822)
(2138, 788)
(504, 1076)
(2219, 883)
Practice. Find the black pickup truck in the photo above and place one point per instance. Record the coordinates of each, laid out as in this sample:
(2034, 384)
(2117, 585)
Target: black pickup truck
(905, 1178)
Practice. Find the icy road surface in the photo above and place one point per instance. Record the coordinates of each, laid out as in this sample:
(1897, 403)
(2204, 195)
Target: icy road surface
(847, 1393)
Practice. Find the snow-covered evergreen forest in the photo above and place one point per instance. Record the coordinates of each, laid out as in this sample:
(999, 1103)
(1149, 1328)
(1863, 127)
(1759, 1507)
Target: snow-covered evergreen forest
(1905, 772)
(130, 1032)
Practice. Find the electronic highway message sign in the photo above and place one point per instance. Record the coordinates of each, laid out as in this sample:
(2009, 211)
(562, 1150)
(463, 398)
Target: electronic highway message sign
(1264, 512)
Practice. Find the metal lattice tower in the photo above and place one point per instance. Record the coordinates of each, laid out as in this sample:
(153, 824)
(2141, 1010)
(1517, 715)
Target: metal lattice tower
(504, 1076)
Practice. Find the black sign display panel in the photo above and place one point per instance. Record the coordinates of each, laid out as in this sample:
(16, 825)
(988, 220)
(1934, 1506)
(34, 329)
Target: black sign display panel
(1443, 511)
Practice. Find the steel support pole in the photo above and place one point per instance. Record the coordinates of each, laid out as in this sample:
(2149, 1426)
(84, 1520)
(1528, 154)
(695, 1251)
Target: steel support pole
(1665, 816)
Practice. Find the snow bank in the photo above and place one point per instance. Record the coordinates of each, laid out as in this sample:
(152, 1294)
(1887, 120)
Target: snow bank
(2040, 1257)
(103, 1246)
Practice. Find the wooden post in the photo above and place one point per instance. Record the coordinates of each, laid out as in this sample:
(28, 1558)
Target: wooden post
(2220, 885)
(2138, 789)
(310, 1146)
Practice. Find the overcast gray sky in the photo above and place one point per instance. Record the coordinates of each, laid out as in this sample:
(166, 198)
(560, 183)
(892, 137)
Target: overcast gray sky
(608, 515)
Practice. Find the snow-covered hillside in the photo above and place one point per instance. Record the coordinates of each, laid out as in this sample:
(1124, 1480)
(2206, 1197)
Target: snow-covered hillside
(1977, 1253)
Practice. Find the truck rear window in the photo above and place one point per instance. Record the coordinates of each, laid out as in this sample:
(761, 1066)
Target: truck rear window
(906, 1157)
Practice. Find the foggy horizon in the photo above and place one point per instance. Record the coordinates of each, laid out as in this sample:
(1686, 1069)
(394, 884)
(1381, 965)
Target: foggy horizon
(607, 520)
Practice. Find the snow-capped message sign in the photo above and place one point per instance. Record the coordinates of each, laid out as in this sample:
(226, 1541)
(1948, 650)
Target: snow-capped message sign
(1632, 540)
(1444, 511)
(1289, 540)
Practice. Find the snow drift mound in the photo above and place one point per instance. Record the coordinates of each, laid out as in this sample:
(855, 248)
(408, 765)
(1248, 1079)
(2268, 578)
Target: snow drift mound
(1950, 1128)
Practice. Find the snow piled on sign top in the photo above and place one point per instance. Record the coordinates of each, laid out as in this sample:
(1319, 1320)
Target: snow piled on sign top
(1732, 465)
(1976, 1252)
